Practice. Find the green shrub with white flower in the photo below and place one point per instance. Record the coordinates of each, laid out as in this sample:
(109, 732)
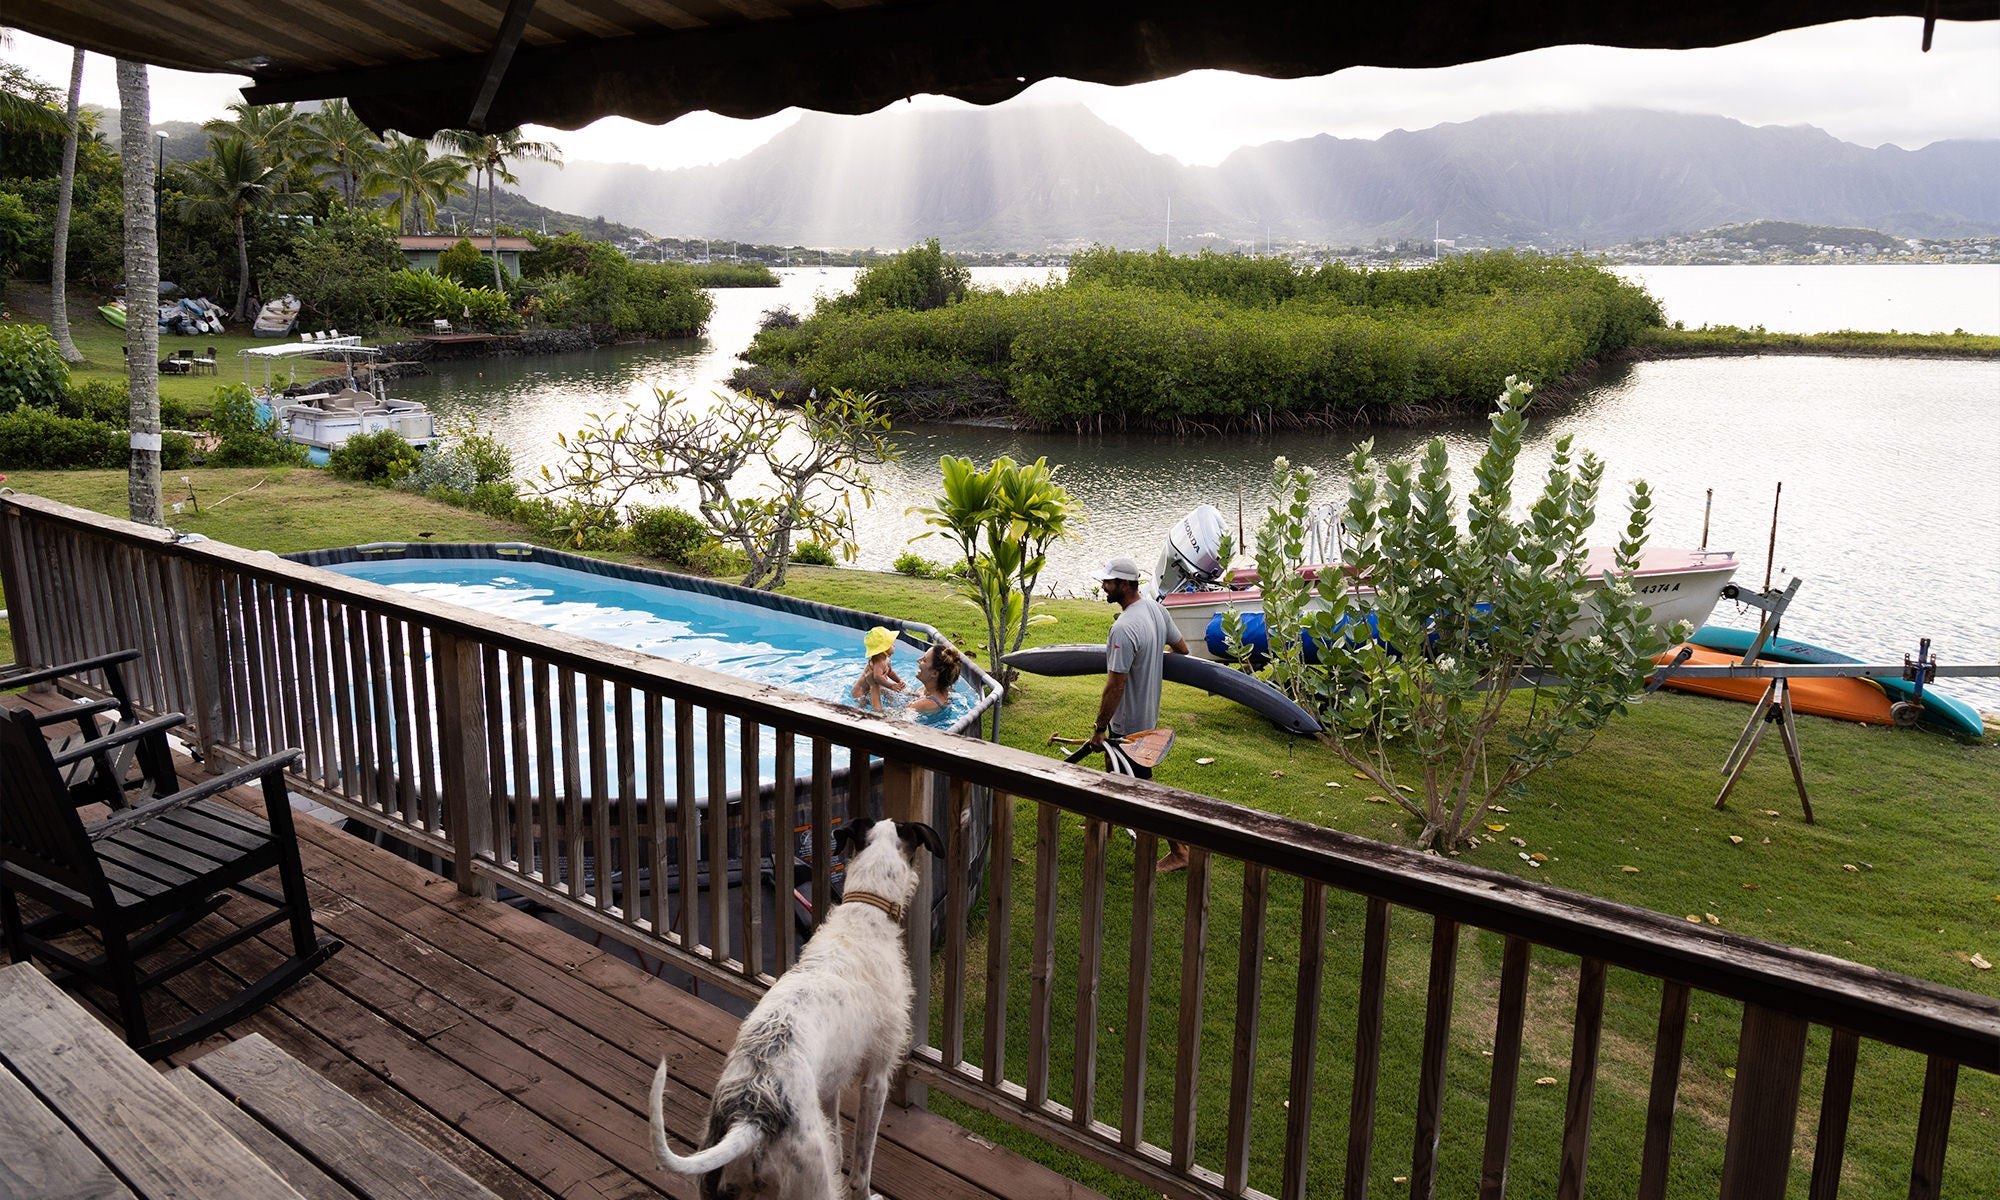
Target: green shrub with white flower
(1462, 611)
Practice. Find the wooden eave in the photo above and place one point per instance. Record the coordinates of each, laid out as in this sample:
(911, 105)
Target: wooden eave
(423, 65)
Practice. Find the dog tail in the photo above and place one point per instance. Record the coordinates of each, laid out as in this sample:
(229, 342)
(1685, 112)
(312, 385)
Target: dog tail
(740, 1140)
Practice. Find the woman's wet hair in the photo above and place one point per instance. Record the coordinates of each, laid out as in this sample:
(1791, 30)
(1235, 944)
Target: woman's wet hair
(946, 662)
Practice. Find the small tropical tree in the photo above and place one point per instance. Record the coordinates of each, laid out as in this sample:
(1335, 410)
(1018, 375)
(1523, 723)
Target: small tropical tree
(418, 181)
(233, 182)
(1003, 519)
(1426, 629)
(269, 129)
(488, 154)
(815, 456)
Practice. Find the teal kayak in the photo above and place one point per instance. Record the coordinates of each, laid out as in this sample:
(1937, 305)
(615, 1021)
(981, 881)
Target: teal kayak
(1939, 709)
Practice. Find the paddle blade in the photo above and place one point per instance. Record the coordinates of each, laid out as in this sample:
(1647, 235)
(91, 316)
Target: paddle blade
(1148, 747)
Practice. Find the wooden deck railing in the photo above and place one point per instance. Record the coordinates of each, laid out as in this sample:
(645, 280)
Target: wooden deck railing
(538, 762)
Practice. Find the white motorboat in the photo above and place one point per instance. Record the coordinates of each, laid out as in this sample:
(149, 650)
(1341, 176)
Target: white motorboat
(322, 422)
(1678, 584)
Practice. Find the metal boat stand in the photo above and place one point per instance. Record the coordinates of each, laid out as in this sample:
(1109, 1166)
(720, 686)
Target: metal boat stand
(1774, 707)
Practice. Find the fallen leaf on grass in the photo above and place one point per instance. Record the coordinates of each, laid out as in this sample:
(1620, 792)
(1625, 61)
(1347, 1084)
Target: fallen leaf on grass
(1695, 919)
(1404, 787)
(1277, 774)
(1979, 960)
(1749, 887)
(1497, 808)
(1729, 1072)
(1517, 841)
(1630, 870)
(1734, 840)
(1546, 1081)
(1378, 799)
(1538, 856)
(1713, 919)
(1402, 1179)
(1361, 774)
(1767, 841)
(1497, 828)
(1849, 867)
(1769, 812)
(1202, 762)
(1335, 783)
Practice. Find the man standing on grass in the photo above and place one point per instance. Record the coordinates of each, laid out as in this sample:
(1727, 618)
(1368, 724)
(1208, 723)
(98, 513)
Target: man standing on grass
(1133, 667)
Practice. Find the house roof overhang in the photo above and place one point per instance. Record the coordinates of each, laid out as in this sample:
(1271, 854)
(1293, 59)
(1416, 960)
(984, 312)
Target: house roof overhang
(423, 65)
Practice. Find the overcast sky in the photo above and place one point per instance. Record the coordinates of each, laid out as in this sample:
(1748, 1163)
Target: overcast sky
(1862, 81)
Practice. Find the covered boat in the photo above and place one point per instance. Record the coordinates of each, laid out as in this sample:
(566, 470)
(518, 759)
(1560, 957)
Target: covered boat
(322, 421)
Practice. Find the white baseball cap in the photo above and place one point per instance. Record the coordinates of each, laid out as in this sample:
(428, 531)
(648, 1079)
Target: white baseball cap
(1119, 568)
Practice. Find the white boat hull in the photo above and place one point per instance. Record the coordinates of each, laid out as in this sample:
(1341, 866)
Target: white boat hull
(1676, 584)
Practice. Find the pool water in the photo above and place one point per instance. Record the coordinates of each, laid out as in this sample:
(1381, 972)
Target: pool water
(788, 650)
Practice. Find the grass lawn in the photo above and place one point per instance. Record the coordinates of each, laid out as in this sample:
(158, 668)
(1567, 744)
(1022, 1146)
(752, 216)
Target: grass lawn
(102, 345)
(1901, 872)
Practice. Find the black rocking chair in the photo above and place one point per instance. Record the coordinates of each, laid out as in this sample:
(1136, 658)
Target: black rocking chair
(106, 776)
(145, 875)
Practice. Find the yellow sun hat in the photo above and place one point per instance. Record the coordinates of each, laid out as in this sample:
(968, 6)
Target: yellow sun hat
(879, 639)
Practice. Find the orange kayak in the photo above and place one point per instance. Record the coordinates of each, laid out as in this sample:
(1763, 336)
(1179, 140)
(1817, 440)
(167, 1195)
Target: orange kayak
(1860, 700)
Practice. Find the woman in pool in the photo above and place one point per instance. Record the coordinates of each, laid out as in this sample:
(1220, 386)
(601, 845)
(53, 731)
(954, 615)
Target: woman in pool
(938, 672)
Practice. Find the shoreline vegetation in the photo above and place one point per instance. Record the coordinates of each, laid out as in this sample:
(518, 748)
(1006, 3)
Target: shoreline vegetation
(1135, 341)
(1631, 821)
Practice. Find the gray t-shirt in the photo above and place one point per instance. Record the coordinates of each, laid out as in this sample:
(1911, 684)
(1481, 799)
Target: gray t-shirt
(1139, 638)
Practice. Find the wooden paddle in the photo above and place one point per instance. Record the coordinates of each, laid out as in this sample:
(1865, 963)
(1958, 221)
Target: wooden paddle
(1147, 747)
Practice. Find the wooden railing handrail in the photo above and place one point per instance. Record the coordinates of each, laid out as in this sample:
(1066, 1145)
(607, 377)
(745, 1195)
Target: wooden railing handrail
(1900, 1010)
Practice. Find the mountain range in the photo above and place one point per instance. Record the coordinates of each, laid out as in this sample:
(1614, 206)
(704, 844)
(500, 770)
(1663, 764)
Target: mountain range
(1033, 178)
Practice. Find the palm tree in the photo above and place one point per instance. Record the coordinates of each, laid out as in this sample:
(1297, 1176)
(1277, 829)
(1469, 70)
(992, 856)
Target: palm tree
(142, 290)
(420, 182)
(233, 181)
(59, 255)
(489, 154)
(334, 137)
(269, 129)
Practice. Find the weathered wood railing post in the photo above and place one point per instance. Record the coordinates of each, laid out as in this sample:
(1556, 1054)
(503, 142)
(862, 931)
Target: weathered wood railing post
(196, 601)
(22, 620)
(906, 796)
(1770, 1059)
(461, 725)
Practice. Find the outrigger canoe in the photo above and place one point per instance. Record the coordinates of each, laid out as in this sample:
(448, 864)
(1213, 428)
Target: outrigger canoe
(1940, 710)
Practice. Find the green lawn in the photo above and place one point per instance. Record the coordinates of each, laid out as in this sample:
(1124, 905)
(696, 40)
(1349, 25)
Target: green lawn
(1900, 872)
(102, 345)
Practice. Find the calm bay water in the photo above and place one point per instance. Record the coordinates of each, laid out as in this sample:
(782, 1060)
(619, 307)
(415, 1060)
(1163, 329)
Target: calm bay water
(1890, 468)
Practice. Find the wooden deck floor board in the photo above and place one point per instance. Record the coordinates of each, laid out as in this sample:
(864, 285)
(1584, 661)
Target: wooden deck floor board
(523, 1054)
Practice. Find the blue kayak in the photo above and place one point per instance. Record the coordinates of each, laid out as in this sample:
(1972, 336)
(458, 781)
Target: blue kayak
(1939, 710)
(1217, 679)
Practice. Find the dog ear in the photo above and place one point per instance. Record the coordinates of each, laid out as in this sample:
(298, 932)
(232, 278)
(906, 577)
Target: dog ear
(854, 832)
(914, 832)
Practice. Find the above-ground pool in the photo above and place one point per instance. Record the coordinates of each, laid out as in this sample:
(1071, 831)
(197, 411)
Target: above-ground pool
(813, 649)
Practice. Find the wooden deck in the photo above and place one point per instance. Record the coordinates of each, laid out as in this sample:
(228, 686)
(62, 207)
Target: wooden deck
(523, 1055)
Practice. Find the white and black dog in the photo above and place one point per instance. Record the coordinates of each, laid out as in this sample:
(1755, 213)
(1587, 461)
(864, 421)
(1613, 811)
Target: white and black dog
(841, 1013)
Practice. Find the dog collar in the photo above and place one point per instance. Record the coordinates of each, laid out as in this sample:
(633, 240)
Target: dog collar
(895, 910)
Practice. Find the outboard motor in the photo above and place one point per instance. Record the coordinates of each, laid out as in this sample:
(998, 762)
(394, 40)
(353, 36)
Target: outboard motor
(1191, 559)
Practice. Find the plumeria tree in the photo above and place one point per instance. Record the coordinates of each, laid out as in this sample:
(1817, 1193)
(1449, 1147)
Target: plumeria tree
(813, 457)
(1426, 633)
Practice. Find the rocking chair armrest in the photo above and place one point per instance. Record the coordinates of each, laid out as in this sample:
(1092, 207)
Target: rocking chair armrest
(186, 796)
(28, 678)
(131, 733)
